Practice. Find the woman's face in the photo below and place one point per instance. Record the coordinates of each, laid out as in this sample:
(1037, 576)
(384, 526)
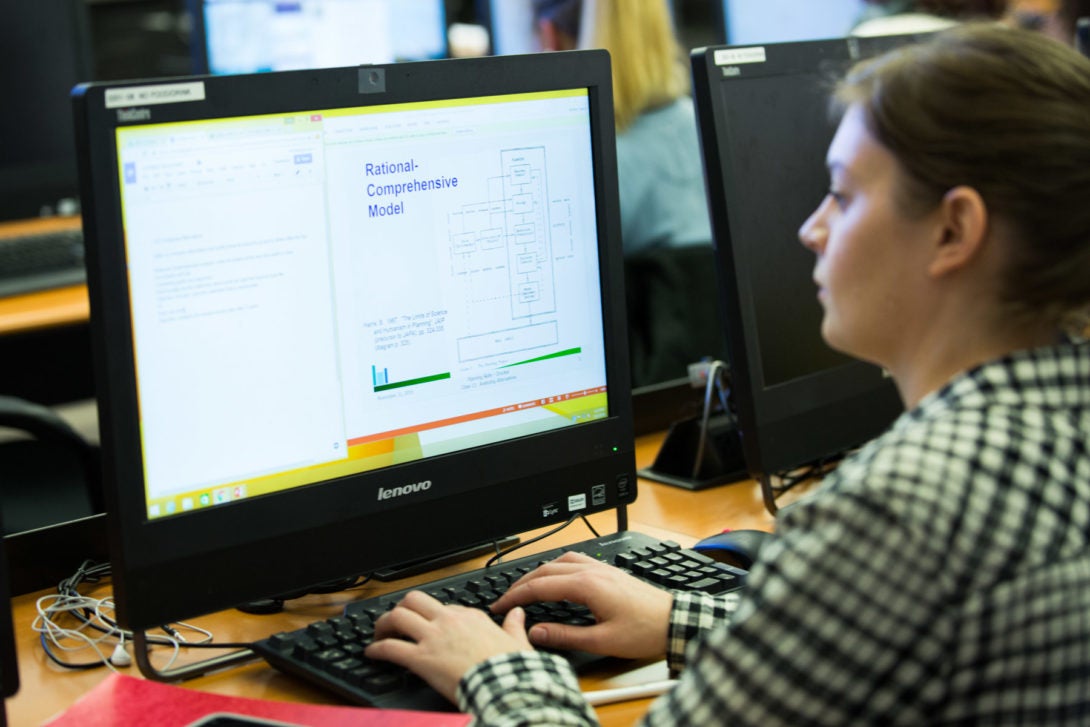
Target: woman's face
(871, 255)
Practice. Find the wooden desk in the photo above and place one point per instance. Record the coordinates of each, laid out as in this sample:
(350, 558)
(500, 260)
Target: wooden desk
(45, 309)
(660, 510)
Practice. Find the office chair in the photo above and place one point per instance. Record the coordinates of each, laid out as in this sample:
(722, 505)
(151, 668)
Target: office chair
(50, 496)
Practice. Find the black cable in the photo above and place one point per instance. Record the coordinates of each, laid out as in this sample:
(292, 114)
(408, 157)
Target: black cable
(66, 664)
(820, 468)
(217, 645)
(524, 543)
(589, 525)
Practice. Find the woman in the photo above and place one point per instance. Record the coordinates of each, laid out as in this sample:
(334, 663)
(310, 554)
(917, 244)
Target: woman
(661, 179)
(942, 573)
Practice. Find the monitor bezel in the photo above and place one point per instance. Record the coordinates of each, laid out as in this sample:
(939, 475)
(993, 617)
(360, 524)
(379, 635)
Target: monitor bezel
(303, 537)
(809, 418)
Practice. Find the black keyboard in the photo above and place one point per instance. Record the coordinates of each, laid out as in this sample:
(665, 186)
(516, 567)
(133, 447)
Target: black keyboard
(41, 261)
(329, 653)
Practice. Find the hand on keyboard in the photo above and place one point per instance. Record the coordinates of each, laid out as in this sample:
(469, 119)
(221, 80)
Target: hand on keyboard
(626, 617)
(632, 615)
(446, 641)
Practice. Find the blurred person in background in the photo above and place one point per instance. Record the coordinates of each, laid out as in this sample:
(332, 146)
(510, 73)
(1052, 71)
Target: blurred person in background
(661, 175)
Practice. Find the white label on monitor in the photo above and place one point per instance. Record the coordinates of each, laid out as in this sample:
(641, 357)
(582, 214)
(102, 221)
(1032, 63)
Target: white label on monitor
(158, 94)
(736, 56)
(577, 502)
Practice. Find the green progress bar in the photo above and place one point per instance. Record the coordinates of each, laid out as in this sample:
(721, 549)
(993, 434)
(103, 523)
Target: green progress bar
(546, 357)
(412, 382)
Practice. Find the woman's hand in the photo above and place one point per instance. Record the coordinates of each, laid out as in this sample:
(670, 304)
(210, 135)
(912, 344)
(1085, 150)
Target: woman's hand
(444, 642)
(633, 616)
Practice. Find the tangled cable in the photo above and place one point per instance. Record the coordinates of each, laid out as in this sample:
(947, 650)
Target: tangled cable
(69, 622)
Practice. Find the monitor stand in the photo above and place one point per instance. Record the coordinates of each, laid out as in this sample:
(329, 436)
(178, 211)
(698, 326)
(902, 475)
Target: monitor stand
(416, 567)
(683, 462)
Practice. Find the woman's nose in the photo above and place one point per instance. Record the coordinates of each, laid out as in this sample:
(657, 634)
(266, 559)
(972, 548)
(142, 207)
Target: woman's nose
(814, 231)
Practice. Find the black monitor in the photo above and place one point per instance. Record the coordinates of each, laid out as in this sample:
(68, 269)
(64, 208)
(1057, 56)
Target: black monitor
(9, 663)
(44, 51)
(347, 318)
(765, 128)
(251, 36)
(781, 21)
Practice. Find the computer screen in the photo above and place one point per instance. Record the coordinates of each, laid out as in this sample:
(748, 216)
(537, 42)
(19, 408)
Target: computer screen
(250, 36)
(510, 25)
(764, 129)
(778, 21)
(44, 52)
(347, 318)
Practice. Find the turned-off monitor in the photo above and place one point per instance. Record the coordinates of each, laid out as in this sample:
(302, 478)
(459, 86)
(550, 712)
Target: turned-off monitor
(765, 127)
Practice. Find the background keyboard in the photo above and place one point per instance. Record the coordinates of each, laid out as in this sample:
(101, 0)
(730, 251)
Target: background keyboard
(41, 261)
(330, 652)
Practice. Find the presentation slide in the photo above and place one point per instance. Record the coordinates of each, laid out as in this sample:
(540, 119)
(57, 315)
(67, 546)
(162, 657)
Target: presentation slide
(339, 286)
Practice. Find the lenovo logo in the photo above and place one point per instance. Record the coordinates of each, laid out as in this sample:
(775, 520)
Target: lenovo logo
(385, 493)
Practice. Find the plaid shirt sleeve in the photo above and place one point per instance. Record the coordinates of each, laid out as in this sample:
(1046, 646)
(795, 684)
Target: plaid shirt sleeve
(524, 688)
(939, 576)
(535, 688)
(692, 615)
(836, 627)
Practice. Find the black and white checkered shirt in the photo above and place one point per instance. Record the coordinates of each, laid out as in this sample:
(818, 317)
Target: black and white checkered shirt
(939, 576)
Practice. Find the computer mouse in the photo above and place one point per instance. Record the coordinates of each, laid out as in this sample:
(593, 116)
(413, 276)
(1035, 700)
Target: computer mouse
(733, 547)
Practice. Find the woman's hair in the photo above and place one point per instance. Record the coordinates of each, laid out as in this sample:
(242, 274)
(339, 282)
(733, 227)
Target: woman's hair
(649, 67)
(1006, 112)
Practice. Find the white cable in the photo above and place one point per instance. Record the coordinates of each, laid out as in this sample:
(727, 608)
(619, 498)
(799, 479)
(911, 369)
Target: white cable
(95, 624)
(623, 694)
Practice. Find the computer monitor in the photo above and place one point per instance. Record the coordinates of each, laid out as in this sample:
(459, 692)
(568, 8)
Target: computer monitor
(348, 318)
(44, 51)
(764, 129)
(778, 21)
(510, 25)
(9, 663)
(251, 36)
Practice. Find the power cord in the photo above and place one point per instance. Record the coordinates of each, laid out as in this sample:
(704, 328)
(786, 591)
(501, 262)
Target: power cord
(714, 373)
(500, 554)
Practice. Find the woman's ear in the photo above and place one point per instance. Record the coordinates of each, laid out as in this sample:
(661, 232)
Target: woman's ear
(964, 220)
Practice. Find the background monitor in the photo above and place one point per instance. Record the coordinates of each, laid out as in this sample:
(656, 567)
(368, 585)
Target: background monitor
(765, 129)
(9, 662)
(348, 318)
(776, 21)
(44, 52)
(510, 25)
(251, 36)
